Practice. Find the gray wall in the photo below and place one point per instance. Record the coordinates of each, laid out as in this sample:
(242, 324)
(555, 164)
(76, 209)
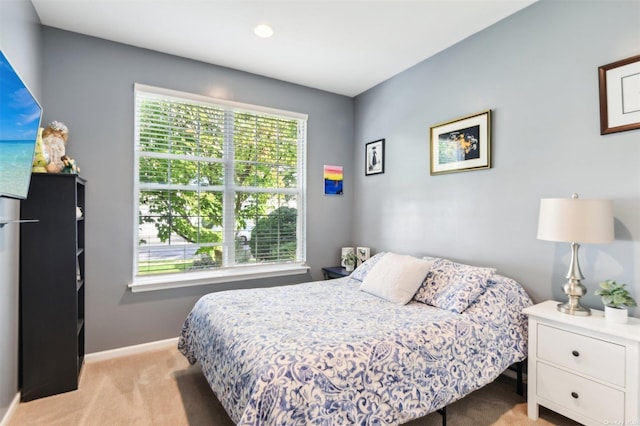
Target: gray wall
(88, 85)
(537, 72)
(20, 41)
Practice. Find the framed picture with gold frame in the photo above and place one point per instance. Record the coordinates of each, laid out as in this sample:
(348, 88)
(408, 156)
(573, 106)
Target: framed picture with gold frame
(619, 84)
(462, 144)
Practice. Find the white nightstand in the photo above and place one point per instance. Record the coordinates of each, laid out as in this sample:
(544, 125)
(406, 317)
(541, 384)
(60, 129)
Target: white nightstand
(584, 368)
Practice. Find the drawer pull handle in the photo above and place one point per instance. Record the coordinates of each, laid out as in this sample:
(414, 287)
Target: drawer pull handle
(574, 395)
(575, 353)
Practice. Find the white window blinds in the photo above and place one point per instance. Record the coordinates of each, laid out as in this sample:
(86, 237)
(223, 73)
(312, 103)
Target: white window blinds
(219, 184)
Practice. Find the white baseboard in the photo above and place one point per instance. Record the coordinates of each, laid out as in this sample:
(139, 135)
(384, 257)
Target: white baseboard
(130, 350)
(12, 407)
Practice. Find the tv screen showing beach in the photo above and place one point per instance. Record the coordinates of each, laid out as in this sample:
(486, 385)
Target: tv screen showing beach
(19, 123)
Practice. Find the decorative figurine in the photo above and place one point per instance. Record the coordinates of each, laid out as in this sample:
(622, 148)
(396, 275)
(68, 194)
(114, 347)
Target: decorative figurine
(54, 140)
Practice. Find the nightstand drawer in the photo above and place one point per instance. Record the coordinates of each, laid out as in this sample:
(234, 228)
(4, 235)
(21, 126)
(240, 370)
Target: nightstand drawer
(594, 400)
(593, 357)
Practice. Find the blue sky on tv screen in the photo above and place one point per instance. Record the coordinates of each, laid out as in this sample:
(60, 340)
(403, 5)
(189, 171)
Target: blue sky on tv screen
(19, 112)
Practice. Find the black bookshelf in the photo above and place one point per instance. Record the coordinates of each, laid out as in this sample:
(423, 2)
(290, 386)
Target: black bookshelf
(52, 285)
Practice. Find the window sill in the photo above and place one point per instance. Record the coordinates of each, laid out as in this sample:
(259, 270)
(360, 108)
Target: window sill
(162, 282)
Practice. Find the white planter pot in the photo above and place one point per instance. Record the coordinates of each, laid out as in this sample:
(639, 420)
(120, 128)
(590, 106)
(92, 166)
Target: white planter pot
(616, 315)
(349, 268)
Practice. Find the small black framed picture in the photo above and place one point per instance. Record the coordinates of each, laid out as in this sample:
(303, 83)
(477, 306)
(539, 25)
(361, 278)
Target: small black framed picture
(374, 158)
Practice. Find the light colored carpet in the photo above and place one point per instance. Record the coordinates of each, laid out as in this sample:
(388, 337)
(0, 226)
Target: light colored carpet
(160, 388)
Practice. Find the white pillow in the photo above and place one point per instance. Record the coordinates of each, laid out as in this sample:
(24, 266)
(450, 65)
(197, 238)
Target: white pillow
(396, 277)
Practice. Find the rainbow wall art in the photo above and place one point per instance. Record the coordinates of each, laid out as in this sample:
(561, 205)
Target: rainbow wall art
(333, 177)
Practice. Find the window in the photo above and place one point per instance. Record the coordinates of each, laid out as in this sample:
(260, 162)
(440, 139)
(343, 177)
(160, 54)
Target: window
(220, 188)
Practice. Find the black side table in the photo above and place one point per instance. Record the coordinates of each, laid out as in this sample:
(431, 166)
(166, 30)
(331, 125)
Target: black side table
(332, 272)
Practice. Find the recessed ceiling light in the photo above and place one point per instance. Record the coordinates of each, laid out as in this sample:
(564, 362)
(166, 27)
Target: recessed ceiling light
(263, 31)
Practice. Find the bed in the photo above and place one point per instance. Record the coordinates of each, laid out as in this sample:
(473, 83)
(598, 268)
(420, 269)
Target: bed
(331, 352)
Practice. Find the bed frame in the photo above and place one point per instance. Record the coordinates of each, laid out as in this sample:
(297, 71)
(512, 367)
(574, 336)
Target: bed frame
(518, 367)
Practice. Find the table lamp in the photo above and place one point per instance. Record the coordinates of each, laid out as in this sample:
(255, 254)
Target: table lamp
(576, 221)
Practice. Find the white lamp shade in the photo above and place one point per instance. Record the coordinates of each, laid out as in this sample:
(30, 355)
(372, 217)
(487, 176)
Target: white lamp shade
(576, 220)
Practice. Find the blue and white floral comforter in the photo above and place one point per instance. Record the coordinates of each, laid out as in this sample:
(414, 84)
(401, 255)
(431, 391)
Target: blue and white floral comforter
(327, 353)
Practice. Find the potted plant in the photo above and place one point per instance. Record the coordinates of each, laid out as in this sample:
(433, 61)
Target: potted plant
(616, 300)
(349, 260)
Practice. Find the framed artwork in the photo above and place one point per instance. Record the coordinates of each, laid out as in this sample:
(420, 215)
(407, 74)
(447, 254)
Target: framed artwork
(374, 158)
(619, 95)
(333, 177)
(345, 251)
(362, 255)
(461, 144)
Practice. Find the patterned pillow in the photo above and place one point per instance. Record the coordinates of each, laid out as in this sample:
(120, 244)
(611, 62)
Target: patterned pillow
(361, 271)
(453, 286)
(396, 277)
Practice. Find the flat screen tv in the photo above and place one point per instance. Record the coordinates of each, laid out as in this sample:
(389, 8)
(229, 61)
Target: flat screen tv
(20, 115)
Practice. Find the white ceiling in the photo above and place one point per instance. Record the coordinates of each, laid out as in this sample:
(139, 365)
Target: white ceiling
(341, 46)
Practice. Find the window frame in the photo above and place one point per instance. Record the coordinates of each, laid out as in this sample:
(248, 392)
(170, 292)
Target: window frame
(237, 272)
